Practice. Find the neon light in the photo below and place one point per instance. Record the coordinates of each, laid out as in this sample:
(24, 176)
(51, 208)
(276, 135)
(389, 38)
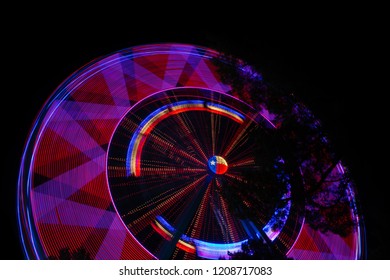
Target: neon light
(116, 80)
(134, 152)
(186, 247)
(218, 165)
(161, 230)
(203, 249)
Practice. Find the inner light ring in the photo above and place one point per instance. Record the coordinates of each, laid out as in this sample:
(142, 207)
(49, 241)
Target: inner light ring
(134, 152)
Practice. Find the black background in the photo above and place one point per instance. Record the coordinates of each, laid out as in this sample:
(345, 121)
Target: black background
(331, 61)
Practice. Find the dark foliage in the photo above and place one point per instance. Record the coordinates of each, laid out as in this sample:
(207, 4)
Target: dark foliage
(256, 249)
(260, 194)
(308, 160)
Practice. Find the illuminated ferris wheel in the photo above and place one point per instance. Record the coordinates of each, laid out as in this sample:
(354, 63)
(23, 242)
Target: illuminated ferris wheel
(140, 155)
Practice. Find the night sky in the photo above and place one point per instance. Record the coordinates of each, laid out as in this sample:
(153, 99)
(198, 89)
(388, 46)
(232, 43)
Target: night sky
(328, 62)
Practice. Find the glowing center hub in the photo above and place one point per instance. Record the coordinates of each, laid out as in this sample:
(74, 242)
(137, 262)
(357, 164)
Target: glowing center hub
(218, 165)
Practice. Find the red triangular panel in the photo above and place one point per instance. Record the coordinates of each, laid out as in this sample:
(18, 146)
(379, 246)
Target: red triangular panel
(94, 90)
(132, 250)
(57, 237)
(155, 64)
(100, 130)
(55, 155)
(305, 241)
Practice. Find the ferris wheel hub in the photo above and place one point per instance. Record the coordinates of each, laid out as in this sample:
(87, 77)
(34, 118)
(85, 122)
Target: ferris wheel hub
(217, 165)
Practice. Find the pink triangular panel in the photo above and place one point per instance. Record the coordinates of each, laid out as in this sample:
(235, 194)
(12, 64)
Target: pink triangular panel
(207, 76)
(115, 80)
(338, 246)
(112, 245)
(195, 79)
(66, 212)
(310, 255)
(91, 111)
(145, 76)
(175, 68)
(68, 129)
(69, 182)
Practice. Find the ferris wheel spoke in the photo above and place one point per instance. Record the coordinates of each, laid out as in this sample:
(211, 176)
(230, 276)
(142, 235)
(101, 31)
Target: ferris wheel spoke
(196, 227)
(189, 134)
(215, 127)
(257, 208)
(169, 149)
(239, 137)
(152, 184)
(247, 162)
(171, 171)
(185, 218)
(230, 228)
(160, 204)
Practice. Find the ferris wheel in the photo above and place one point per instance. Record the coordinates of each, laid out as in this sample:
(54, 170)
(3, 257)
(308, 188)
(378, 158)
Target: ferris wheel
(139, 155)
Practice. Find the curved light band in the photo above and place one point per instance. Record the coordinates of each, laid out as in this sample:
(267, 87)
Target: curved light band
(133, 161)
(207, 250)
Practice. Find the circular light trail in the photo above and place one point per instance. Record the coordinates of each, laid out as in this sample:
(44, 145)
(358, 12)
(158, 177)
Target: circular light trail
(131, 156)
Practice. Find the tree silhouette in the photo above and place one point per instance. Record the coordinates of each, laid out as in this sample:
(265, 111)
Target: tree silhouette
(308, 159)
(256, 249)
